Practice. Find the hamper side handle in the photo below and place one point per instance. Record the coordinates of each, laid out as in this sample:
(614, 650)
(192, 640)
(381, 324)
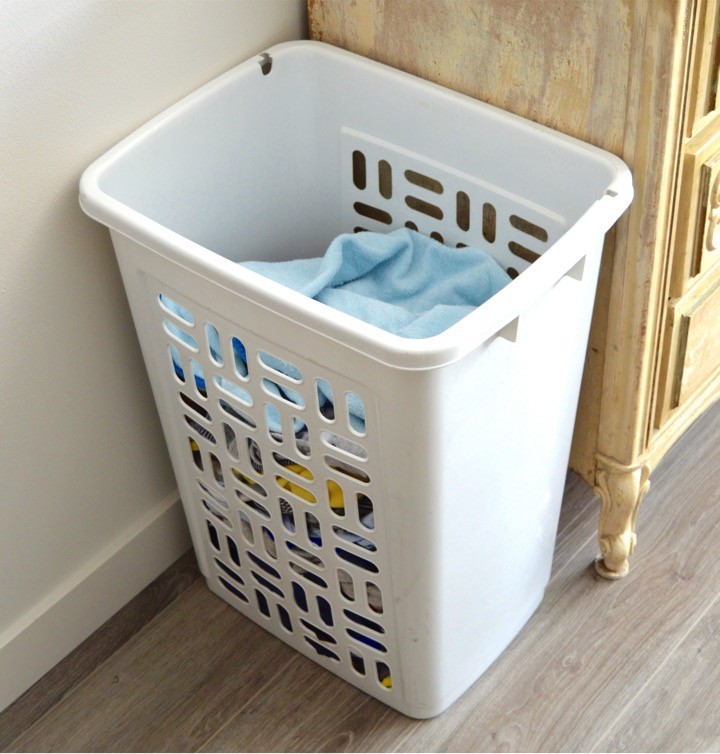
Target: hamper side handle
(510, 331)
(577, 271)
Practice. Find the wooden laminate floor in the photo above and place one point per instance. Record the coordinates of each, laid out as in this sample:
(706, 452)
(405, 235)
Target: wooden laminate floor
(632, 665)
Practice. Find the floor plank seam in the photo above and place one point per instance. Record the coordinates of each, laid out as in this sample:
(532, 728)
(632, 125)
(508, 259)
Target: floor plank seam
(661, 665)
(250, 699)
(86, 679)
(408, 735)
(571, 558)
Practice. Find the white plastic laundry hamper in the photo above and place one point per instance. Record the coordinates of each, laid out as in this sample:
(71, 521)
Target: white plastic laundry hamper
(404, 558)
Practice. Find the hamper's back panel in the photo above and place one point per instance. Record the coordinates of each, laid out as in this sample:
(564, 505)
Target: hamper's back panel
(280, 457)
(385, 186)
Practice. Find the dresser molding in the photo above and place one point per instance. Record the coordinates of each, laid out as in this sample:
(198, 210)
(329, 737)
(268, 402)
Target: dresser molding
(621, 489)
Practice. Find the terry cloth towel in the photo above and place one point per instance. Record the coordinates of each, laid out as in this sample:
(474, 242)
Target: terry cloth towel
(402, 282)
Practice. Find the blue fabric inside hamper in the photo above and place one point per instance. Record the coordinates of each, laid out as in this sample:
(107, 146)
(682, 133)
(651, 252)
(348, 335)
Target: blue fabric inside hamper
(402, 282)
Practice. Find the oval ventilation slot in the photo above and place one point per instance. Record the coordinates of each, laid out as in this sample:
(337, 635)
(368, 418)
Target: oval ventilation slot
(177, 310)
(346, 469)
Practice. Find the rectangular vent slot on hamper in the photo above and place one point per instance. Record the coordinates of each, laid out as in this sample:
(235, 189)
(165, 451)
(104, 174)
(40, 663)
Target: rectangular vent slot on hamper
(215, 512)
(229, 572)
(336, 477)
(176, 310)
(232, 589)
(180, 335)
(262, 581)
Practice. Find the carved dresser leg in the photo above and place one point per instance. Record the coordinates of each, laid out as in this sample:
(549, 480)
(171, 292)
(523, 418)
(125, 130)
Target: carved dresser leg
(621, 488)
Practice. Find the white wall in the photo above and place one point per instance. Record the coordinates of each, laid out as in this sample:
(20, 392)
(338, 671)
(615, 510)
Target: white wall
(88, 503)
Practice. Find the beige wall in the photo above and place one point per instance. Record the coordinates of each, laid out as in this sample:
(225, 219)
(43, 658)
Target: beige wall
(85, 481)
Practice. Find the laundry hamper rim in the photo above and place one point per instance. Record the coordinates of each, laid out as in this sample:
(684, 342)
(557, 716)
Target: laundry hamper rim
(391, 350)
(619, 186)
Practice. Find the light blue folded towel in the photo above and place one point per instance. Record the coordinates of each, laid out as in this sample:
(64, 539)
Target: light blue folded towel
(402, 282)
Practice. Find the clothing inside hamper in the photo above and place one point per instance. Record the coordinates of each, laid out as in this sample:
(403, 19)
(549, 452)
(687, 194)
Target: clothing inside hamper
(402, 282)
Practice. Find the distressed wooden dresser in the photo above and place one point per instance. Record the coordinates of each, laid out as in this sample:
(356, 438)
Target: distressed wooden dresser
(639, 78)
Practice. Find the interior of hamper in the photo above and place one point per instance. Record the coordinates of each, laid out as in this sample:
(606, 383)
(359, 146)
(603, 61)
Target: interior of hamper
(273, 167)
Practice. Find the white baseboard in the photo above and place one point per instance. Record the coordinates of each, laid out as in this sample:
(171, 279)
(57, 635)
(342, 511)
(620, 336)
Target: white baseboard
(82, 603)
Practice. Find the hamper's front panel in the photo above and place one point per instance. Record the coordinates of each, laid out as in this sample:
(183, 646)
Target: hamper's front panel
(385, 186)
(281, 458)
